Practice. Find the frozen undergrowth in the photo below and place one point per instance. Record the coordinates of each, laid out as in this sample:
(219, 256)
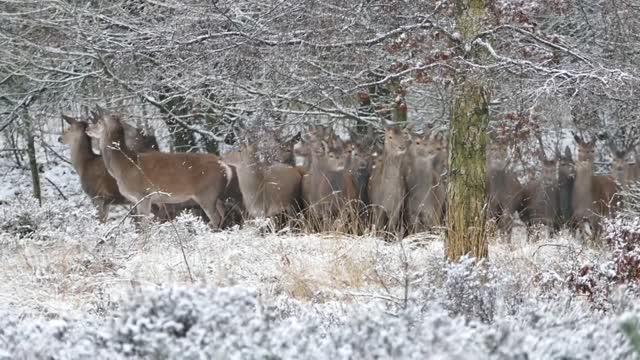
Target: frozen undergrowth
(73, 288)
(68, 290)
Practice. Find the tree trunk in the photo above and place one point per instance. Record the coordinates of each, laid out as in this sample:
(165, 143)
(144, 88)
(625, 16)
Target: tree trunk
(466, 194)
(33, 163)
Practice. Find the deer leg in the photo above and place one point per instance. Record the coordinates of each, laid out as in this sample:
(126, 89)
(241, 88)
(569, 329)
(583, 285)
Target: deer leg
(209, 203)
(143, 210)
(103, 209)
(221, 211)
(506, 225)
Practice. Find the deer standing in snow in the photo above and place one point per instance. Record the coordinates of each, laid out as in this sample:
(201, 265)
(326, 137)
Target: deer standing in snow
(593, 196)
(504, 190)
(95, 180)
(161, 178)
(328, 187)
(423, 169)
(268, 189)
(541, 197)
(387, 190)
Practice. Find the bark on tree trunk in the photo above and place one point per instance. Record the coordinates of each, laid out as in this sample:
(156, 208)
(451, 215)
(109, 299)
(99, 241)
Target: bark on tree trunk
(466, 193)
(33, 163)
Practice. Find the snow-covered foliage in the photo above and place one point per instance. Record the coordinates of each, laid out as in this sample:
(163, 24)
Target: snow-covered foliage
(192, 323)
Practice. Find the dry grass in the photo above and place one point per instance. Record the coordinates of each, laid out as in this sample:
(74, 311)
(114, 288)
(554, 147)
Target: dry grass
(64, 268)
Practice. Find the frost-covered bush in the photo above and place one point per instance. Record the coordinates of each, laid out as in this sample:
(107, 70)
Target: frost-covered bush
(470, 289)
(621, 267)
(54, 219)
(237, 323)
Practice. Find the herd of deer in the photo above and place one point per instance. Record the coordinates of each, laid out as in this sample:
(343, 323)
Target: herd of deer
(398, 187)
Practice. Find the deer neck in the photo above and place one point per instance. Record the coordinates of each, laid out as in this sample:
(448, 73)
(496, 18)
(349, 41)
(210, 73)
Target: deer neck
(583, 183)
(392, 165)
(251, 181)
(81, 153)
(118, 158)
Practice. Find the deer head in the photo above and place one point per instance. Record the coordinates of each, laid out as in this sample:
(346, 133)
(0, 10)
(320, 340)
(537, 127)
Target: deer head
(395, 141)
(549, 165)
(337, 154)
(586, 149)
(566, 165)
(74, 132)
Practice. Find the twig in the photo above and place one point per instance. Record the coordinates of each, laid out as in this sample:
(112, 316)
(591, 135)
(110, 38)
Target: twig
(184, 255)
(131, 211)
(55, 153)
(56, 187)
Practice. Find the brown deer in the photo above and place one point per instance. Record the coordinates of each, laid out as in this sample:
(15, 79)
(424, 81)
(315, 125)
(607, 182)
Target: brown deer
(503, 188)
(361, 162)
(161, 178)
(621, 171)
(566, 181)
(268, 190)
(95, 180)
(541, 196)
(328, 186)
(387, 190)
(279, 151)
(424, 167)
(137, 141)
(593, 196)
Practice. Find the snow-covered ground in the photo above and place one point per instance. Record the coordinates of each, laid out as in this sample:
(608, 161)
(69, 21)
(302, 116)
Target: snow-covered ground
(71, 287)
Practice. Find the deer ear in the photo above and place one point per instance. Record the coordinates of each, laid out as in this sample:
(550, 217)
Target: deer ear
(577, 138)
(69, 119)
(297, 137)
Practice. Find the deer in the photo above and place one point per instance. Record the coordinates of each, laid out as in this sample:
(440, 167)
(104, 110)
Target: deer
(95, 180)
(566, 181)
(503, 188)
(593, 196)
(328, 186)
(268, 189)
(541, 196)
(161, 178)
(360, 164)
(387, 190)
(137, 141)
(423, 170)
(282, 151)
(623, 172)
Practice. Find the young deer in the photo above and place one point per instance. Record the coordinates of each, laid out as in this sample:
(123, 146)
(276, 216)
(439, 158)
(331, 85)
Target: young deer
(593, 196)
(424, 166)
(95, 180)
(161, 178)
(387, 190)
(566, 181)
(328, 186)
(361, 160)
(279, 151)
(621, 171)
(541, 196)
(137, 141)
(503, 188)
(268, 190)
